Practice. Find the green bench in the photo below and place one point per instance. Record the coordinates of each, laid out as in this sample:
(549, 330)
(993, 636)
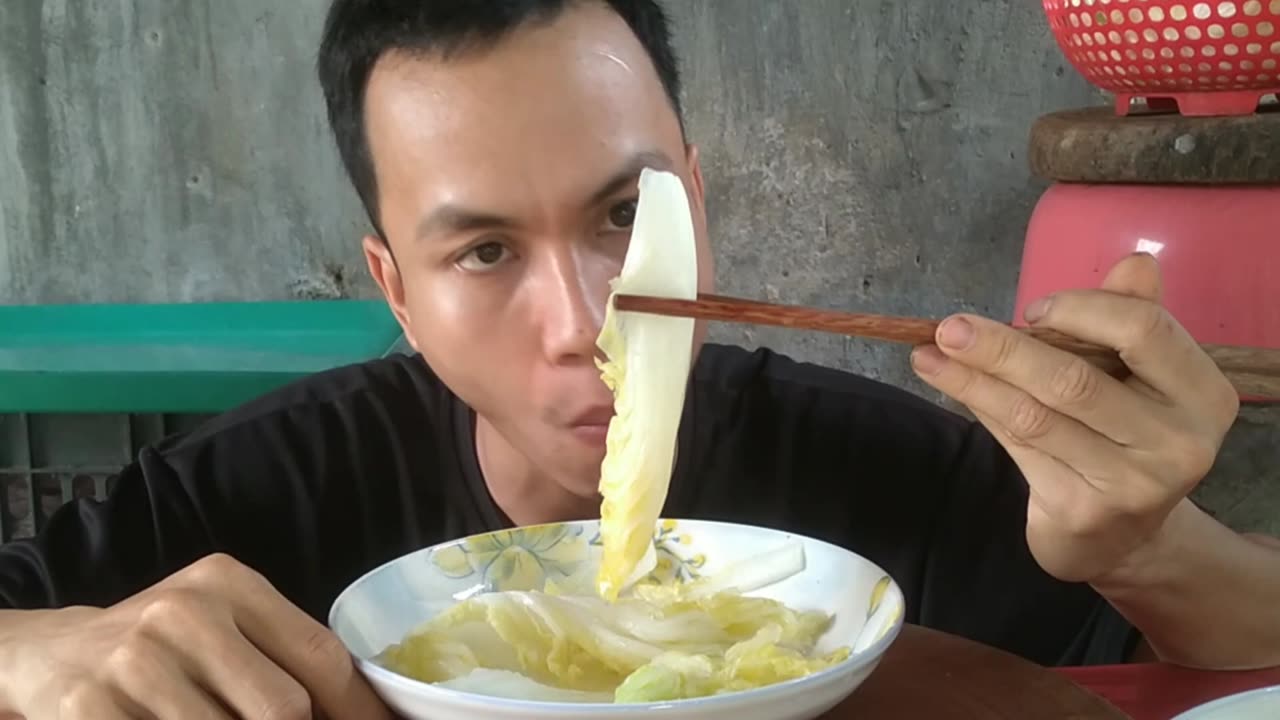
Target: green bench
(180, 358)
(82, 387)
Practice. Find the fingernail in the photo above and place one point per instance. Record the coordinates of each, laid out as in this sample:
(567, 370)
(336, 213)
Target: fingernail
(1036, 311)
(928, 360)
(956, 333)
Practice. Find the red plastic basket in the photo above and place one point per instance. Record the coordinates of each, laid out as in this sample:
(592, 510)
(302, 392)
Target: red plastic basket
(1199, 58)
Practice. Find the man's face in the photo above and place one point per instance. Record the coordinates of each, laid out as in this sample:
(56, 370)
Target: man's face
(507, 187)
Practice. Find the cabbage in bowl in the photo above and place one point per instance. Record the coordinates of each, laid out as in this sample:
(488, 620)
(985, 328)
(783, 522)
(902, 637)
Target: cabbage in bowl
(664, 640)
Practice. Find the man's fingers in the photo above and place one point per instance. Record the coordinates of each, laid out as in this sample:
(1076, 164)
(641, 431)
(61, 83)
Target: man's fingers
(150, 674)
(1155, 347)
(302, 647)
(197, 629)
(1056, 378)
(319, 660)
(1126, 480)
(1054, 486)
(213, 651)
(248, 682)
(92, 701)
(1063, 500)
(1057, 491)
(1137, 276)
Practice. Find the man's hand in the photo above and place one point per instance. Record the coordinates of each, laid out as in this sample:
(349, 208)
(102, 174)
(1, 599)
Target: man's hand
(1106, 460)
(214, 641)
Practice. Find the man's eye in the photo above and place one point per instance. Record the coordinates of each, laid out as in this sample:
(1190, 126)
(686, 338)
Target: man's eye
(484, 257)
(623, 215)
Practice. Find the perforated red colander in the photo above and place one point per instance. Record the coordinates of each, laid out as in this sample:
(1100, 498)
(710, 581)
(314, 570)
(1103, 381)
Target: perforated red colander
(1200, 58)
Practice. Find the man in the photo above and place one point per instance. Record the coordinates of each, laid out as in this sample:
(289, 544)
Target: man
(496, 146)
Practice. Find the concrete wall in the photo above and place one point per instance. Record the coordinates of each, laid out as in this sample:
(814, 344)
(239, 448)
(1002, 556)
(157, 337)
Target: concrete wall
(864, 154)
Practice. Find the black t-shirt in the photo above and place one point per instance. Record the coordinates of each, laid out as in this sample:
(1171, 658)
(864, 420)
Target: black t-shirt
(317, 483)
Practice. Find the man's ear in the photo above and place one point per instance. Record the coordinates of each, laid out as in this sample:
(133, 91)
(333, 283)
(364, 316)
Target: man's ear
(698, 206)
(694, 160)
(385, 272)
(706, 259)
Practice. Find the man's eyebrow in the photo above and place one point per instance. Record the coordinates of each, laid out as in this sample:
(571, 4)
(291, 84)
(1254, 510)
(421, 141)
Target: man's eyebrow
(453, 219)
(655, 159)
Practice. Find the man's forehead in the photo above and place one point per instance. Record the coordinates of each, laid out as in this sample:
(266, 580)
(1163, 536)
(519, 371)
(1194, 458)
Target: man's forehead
(602, 78)
(563, 115)
(426, 130)
(584, 39)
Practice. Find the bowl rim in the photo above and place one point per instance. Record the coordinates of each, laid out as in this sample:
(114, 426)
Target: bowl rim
(872, 655)
(1226, 703)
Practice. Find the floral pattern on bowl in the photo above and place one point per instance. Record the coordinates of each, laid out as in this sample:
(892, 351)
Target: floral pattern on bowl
(518, 559)
(674, 564)
(543, 556)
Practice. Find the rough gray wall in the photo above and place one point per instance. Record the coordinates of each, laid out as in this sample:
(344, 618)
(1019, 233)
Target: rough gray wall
(168, 151)
(863, 154)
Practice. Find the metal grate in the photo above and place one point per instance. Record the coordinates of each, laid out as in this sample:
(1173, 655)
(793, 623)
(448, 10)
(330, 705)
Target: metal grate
(49, 460)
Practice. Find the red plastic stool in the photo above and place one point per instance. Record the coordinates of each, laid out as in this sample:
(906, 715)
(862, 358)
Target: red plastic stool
(1122, 186)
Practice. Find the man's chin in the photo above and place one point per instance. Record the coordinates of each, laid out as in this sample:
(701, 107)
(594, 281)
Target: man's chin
(583, 482)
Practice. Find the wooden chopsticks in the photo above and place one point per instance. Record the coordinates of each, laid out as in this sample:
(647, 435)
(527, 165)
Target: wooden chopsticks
(1253, 371)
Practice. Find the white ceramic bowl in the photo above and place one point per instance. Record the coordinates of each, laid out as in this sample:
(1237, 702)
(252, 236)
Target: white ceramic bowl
(1262, 704)
(380, 608)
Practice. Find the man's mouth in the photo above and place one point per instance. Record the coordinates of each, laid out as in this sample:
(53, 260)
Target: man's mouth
(599, 415)
(592, 426)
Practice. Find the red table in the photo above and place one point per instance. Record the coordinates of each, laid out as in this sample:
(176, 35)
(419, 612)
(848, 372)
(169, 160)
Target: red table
(1154, 691)
(928, 674)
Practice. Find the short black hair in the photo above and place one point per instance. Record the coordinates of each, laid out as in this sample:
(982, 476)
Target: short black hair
(357, 33)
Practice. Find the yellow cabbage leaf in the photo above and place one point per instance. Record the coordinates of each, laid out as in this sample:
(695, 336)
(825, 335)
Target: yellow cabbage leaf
(647, 369)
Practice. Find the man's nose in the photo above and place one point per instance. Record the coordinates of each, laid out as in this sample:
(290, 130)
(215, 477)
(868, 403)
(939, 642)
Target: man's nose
(573, 292)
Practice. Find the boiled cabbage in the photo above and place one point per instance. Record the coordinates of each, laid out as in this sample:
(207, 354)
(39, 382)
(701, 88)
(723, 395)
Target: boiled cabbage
(647, 368)
(753, 663)
(641, 648)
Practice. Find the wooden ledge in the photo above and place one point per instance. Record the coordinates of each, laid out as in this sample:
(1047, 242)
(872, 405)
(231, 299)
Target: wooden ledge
(1094, 145)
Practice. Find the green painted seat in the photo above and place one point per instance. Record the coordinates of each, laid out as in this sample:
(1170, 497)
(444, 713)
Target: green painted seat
(178, 358)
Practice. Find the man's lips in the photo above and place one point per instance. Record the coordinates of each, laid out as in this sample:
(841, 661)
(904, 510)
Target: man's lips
(592, 426)
(594, 417)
